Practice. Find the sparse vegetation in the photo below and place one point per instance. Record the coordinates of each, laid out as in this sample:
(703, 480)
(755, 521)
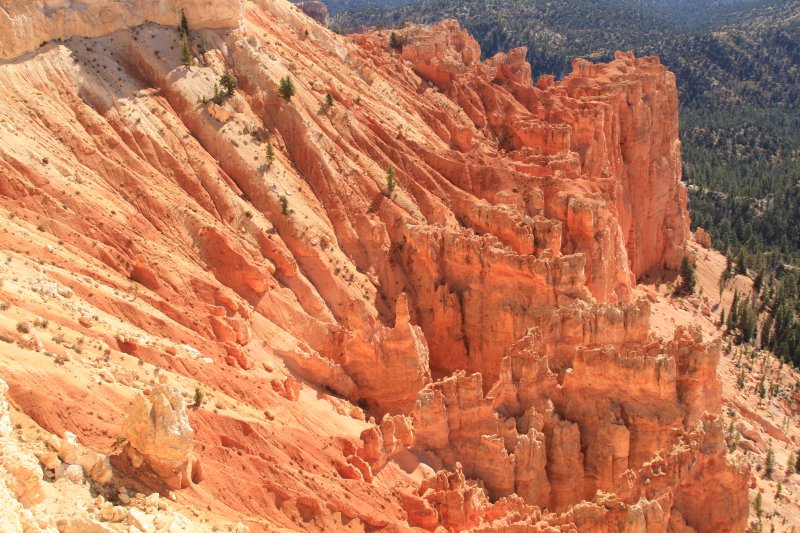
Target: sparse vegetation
(757, 506)
(395, 41)
(184, 27)
(23, 327)
(229, 82)
(269, 154)
(391, 179)
(769, 464)
(219, 96)
(198, 398)
(186, 52)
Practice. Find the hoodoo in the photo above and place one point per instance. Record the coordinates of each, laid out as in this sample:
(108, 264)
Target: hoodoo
(210, 279)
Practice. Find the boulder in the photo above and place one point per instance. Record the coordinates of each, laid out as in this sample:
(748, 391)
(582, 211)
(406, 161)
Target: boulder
(159, 435)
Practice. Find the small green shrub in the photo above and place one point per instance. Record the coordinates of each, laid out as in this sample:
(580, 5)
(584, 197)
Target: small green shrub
(186, 52)
(396, 41)
(286, 88)
(769, 464)
(229, 82)
(688, 278)
(184, 27)
(391, 179)
(270, 154)
(219, 96)
(198, 397)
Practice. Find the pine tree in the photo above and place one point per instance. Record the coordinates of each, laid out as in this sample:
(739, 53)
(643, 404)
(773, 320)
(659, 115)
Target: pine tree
(329, 100)
(791, 464)
(758, 282)
(741, 266)
(229, 82)
(270, 154)
(286, 88)
(186, 53)
(394, 41)
(391, 179)
(769, 464)
(797, 461)
(284, 205)
(688, 279)
(184, 28)
(740, 379)
(766, 328)
(757, 505)
(746, 322)
(218, 96)
(732, 318)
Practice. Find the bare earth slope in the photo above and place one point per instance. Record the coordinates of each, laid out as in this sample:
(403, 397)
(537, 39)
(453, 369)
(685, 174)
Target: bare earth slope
(485, 311)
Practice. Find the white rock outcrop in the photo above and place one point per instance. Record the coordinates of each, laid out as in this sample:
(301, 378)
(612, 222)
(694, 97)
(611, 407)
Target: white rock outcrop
(24, 25)
(20, 476)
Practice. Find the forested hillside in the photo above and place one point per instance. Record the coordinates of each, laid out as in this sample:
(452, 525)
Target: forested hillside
(737, 64)
(337, 6)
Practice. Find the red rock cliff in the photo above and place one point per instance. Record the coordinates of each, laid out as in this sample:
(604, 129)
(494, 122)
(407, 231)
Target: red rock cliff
(490, 296)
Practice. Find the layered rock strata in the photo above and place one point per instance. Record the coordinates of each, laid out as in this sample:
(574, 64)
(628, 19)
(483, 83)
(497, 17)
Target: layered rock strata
(488, 293)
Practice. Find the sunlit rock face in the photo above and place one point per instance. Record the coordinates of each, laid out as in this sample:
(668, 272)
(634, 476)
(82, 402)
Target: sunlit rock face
(462, 345)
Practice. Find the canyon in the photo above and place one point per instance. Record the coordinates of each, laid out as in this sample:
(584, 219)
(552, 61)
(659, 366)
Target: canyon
(219, 313)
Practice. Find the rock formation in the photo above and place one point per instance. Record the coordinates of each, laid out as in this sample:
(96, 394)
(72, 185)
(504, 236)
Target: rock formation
(702, 238)
(20, 476)
(316, 10)
(248, 250)
(25, 26)
(159, 435)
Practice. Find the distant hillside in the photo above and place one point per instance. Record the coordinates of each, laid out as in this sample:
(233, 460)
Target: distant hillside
(337, 6)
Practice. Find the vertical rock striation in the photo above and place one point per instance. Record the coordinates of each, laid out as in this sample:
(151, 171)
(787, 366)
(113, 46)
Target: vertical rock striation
(484, 307)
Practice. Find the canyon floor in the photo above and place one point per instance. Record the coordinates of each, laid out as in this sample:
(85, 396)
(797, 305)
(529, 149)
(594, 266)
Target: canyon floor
(218, 312)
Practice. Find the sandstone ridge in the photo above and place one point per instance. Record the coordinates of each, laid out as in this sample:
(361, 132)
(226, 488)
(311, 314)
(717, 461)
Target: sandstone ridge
(296, 341)
(24, 26)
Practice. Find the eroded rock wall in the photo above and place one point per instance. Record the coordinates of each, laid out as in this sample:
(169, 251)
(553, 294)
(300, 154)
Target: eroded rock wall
(489, 294)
